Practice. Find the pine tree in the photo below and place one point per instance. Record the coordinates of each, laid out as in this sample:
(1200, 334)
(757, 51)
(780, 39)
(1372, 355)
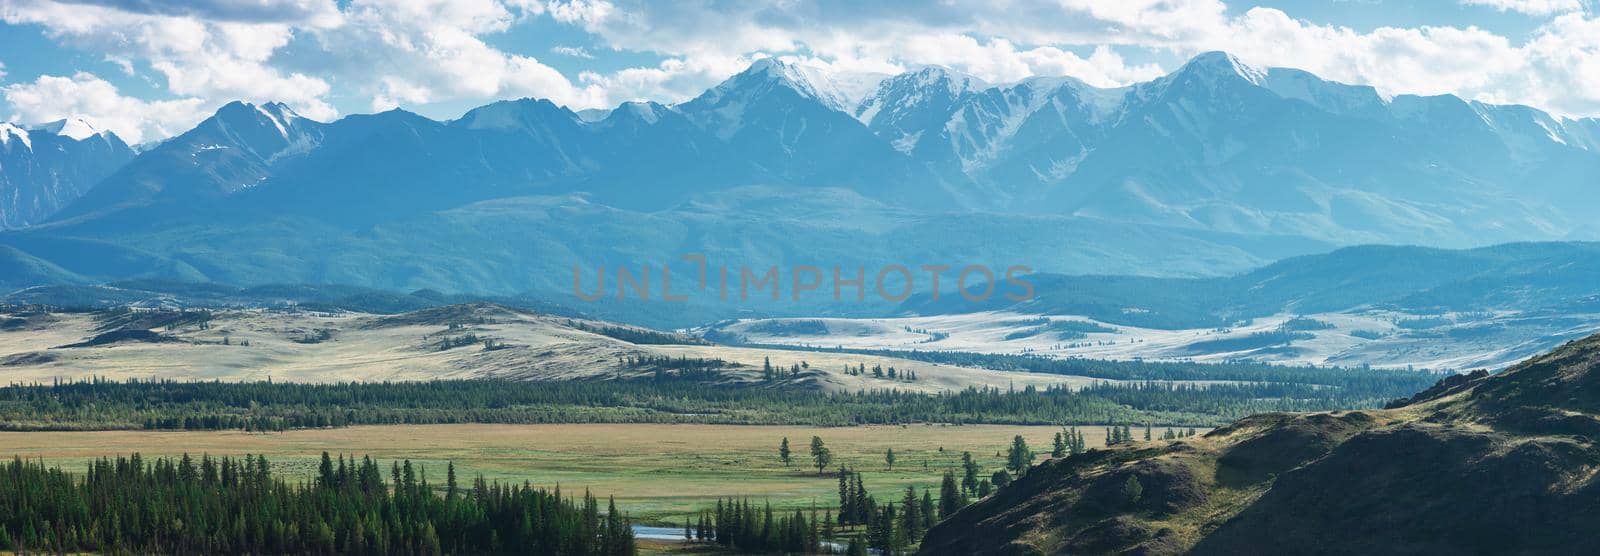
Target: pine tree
(1020, 457)
(950, 498)
(783, 452)
(969, 473)
(1132, 491)
(888, 458)
(450, 482)
(820, 454)
(911, 513)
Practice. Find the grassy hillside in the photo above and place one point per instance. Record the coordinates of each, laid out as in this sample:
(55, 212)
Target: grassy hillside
(471, 341)
(1478, 464)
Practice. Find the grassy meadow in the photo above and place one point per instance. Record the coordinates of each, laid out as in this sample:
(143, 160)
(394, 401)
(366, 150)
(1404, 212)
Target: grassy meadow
(658, 473)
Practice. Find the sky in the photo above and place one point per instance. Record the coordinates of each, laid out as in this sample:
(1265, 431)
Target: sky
(150, 69)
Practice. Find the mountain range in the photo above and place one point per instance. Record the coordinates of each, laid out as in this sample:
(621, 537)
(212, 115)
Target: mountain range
(1216, 168)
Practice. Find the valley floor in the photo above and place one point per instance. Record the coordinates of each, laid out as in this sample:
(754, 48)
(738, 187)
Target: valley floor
(658, 473)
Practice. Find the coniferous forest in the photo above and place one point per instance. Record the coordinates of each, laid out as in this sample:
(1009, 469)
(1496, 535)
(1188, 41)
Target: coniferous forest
(236, 506)
(272, 406)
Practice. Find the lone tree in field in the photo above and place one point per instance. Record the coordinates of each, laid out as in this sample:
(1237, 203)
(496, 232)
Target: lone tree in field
(888, 458)
(820, 454)
(783, 452)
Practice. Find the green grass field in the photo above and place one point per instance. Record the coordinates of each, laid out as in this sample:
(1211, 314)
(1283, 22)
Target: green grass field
(658, 473)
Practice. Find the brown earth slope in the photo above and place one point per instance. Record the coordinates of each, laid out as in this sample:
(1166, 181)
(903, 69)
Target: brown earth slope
(1479, 464)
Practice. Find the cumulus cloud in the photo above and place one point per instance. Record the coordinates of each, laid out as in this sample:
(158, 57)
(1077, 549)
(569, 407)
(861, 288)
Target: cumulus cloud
(673, 80)
(422, 51)
(321, 13)
(197, 57)
(379, 54)
(1557, 69)
(51, 98)
(1553, 68)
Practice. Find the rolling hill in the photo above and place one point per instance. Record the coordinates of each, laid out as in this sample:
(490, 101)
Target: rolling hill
(462, 341)
(1478, 464)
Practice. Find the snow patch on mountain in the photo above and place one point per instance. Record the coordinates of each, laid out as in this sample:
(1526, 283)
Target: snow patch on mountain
(592, 115)
(10, 132)
(647, 112)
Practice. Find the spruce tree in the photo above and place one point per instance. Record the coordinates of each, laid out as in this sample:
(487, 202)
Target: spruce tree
(820, 455)
(969, 473)
(950, 498)
(1132, 491)
(1020, 457)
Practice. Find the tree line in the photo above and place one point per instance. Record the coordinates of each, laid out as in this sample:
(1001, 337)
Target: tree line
(236, 505)
(99, 404)
(1361, 382)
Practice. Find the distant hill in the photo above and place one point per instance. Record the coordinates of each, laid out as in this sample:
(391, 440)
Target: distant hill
(1522, 277)
(1477, 465)
(442, 341)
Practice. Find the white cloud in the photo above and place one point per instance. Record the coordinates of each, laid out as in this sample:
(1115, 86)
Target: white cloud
(399, 52)
(1558, 69)
(582, 12)
(379, 54)
(319, 13)
(1530, 7)
(673, 80)
(51, 98)
(212, 59)
(573, 51)
(1554, 69)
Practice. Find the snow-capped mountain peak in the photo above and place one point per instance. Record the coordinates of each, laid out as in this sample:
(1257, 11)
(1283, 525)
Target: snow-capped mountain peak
(929, 88)
(939, 76)
(648, 112)
(841, 91)
(519, 114)
(1222, 64)
(76, 128)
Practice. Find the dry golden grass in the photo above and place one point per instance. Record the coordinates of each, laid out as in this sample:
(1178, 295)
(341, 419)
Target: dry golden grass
(542, 348)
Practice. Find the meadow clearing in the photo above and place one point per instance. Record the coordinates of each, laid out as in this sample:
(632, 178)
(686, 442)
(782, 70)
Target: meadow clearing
(658, 473)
